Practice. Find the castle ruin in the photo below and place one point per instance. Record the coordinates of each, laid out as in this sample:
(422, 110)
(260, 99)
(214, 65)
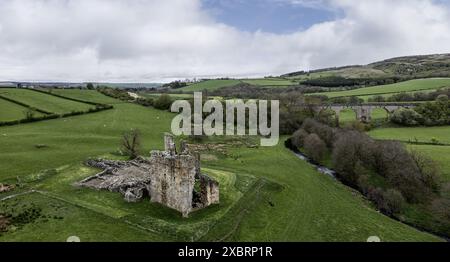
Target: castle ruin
(167, 177)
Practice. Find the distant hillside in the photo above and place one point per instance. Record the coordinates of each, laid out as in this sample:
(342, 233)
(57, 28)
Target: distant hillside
(400, 68)
(80, 84)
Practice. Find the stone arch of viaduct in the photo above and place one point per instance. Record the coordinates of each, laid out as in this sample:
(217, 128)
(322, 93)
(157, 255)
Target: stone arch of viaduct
(364, 111)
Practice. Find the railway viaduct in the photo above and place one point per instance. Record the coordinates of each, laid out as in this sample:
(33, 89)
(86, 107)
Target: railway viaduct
(364, 111)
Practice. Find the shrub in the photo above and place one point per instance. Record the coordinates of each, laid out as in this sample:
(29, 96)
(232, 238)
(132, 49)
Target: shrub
(364, 184)
(348, 154)
(163, 102)
(429, 170)
(377, 99)
(441, 207)
(131, 143)
(393, 202)
(90, 86)
(298, 138)
(145, 101)
(315, 148)
(407, 117)
(29, 113)
(325, 132)
(390, 202)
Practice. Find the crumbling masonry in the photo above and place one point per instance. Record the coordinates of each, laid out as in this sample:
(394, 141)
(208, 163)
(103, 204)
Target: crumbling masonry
(169, 178)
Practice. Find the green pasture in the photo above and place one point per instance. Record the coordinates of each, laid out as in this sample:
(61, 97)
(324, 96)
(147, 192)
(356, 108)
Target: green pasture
(43, 101)
(274, 82)
(10, 111)
(85, 95)
(210, 85)
(414, 134)
(408, 86)
(268, 194)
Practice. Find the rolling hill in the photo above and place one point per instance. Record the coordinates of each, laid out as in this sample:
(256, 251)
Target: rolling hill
(436, 65)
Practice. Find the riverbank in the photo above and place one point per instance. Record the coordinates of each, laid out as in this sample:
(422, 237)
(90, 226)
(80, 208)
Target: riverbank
(329, 172)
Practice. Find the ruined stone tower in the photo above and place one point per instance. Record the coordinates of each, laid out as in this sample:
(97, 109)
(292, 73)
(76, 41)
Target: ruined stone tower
(167, 177)
(173, 177)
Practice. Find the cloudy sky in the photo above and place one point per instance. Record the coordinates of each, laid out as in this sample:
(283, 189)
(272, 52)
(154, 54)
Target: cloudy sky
(161, 40)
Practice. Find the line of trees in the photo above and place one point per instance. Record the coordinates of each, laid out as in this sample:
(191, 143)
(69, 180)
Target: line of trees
(339, 81)
(411, 97)
(435, 113)
(384, 171)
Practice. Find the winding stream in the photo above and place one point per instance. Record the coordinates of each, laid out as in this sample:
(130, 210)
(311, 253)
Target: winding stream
(321, 169)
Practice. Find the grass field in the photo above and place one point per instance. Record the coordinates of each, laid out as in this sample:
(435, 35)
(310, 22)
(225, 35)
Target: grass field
(349, 115)
(366, 98)
(311, 206)
(439, 153)
(270, 82)
(420, 134)
(408, 86)
(42, 101)
(269, 194)
(10, 111)
(177, 96)
(86, 95)
(210, 85)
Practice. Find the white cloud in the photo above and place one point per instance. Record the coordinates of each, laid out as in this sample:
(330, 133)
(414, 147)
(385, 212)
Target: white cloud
(139, 40)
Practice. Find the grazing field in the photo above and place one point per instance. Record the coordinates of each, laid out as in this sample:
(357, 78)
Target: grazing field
(156, 95)
(408, 86)
(74, 139)
(274, 82)
(210, 85)
(349, 115)
(386, 96)
(86, 95)
(43, 101)
(10, 111)
(269, 194)
(414, 134)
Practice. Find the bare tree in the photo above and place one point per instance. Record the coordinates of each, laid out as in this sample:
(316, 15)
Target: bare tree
(315, 148)
(298, 138)
(429, 169)
(131, 143)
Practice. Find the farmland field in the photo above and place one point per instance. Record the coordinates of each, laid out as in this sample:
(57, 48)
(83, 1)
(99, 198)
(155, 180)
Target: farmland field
(85, 95)
(288, 199)
(408, 86)
(45, 102)
(419, 134)
(210, 85)
(386, 96)
(10, 111)
(269, 82)
(177, 96)
(349, 115)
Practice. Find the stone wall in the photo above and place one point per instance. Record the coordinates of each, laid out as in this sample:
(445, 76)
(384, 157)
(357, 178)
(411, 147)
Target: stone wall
(173, 179)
